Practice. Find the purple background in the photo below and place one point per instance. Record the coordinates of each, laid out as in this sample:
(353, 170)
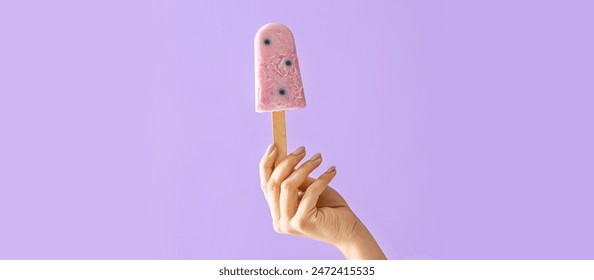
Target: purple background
(460, 129)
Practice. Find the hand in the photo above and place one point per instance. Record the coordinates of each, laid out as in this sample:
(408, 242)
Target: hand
(301, 205)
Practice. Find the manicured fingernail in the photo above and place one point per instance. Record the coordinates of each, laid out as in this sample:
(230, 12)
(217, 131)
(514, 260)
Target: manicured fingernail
(331, 169)
(299, 151)
(270, 149)
(316, 157)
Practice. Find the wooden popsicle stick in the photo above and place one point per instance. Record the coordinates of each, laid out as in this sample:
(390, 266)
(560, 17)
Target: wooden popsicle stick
(279, 132)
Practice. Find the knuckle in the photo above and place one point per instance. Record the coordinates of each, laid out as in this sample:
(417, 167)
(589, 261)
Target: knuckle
(273, 184)
(284, 226)
(276, 227)
(299, 224)
(289, 160)
(286, 185)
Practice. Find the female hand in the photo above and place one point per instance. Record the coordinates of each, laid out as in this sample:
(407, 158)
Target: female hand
(301, 205)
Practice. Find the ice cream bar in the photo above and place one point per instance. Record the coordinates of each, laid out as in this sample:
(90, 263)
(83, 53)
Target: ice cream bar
(278, 80)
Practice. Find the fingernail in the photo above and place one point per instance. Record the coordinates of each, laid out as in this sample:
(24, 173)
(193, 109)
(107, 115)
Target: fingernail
(331, 169)
(316, 157)
(299, 151)
(270, 149)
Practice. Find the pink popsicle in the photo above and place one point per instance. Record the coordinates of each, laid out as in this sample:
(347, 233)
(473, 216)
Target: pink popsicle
(278, 80)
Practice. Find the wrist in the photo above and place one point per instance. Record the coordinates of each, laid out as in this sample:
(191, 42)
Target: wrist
(360, 245)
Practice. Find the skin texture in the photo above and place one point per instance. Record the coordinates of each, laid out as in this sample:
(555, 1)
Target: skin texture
(308, 207)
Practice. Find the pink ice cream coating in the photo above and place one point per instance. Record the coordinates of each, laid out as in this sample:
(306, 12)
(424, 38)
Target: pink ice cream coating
(278, 79)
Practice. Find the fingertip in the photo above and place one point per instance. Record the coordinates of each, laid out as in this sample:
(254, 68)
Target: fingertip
(317, 156)
(299, 151)
(268, 159)
(271, 150)
(329, 174)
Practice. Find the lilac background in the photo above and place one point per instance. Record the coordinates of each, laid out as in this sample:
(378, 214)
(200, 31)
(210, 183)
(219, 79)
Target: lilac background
(460, 129)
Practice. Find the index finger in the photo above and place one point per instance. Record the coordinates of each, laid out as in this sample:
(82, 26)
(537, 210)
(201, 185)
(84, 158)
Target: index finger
(266, 166)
